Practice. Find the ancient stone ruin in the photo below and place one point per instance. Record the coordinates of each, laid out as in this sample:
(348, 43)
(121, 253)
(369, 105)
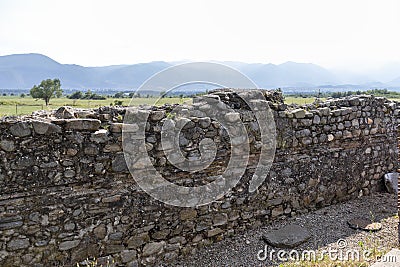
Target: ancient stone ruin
(66, 193)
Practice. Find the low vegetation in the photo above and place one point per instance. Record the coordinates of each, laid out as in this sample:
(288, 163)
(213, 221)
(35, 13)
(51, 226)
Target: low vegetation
(376, 92)
(17, 105)
(88, 95)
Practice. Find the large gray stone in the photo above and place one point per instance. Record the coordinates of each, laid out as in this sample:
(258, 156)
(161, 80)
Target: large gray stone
(214, 232)
(188, 214)
(41, 127)
(232, 117)
(65, 113)
(16, 244)
(113, 248)
(299, 113)
(116, 236)
(112, 148)
(204, 122)
(91, 150)
(20, 129)
(157, 115)
(10, 222)
(116, 127)
(24, 162)
(290, 236)
(153, 248)
(391, 182)
(100, 136)
(83, 124)
(66, 245)
(100, 231)
(128, 256)
(138, 241)
(7, 145)
(69, 173)
(119, 163)
(10, 225)
(220, 219)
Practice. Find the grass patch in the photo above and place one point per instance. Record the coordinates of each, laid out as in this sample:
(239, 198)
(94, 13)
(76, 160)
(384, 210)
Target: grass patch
(15, 105)
(300, 100)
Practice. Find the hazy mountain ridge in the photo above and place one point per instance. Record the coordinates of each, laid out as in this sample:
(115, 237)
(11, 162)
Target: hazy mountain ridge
(22, 71)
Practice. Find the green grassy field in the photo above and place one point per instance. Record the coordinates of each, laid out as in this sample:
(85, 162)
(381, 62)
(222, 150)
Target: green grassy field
(15, 105)
(300, 100)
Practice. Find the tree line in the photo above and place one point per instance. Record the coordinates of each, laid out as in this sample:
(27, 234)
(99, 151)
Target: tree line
(375, 92)
(50, 88)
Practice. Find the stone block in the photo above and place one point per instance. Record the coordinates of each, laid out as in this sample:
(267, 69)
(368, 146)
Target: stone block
(20, 129)
(82, 124)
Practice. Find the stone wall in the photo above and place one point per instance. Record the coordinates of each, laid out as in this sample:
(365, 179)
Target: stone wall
(66, 193)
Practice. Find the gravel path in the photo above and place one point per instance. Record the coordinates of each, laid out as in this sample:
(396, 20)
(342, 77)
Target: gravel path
(326, 225)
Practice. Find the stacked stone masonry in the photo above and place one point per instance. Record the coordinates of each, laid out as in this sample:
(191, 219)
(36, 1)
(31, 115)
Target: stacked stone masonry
(66, 193)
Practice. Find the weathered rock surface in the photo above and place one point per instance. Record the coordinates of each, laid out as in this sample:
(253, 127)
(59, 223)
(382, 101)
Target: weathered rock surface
(290, 236)
(153, 248)
(391, 182)
(16, 244)
(41, 127)
(66, 245)
(20, 129)
(65, 113)
(7, 145)
(82, 124)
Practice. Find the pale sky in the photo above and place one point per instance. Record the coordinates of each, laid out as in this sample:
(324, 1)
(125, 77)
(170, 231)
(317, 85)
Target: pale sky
(331, 33)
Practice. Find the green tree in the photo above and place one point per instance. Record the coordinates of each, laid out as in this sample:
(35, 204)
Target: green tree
(76, 95)
(88, 94)
(46, 90)
(119, 95)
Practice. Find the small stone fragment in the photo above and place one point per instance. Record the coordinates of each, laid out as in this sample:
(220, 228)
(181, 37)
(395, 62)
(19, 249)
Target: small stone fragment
(364, 224)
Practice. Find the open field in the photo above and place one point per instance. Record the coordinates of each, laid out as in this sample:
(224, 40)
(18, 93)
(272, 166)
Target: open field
(15, 105)
(300, 100)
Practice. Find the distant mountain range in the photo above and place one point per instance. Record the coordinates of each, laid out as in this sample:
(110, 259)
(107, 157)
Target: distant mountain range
(22, 71)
